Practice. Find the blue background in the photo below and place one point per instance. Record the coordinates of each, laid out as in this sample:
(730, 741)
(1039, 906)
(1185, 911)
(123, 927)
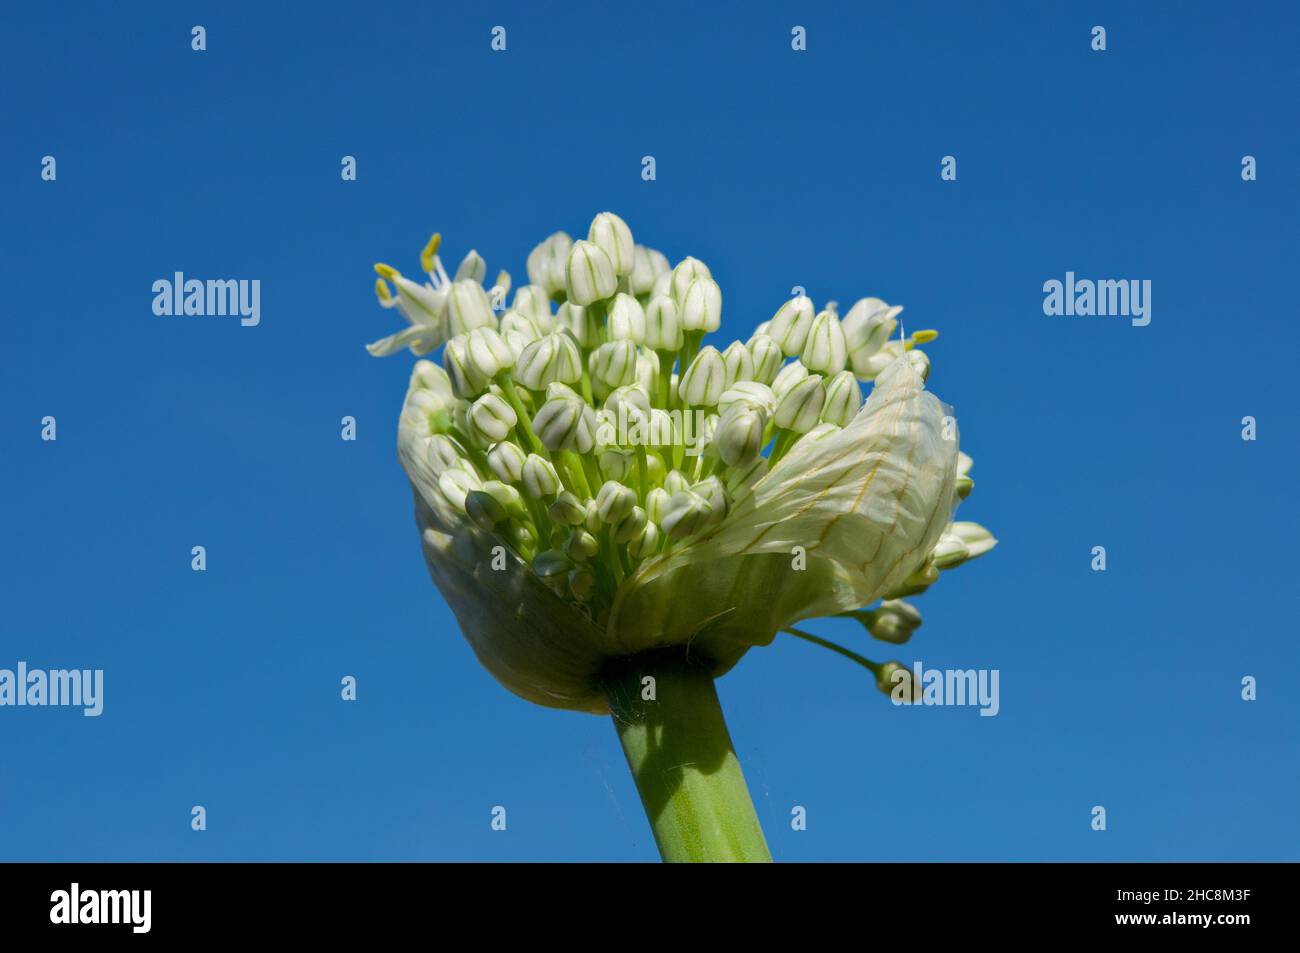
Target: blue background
(777, 168)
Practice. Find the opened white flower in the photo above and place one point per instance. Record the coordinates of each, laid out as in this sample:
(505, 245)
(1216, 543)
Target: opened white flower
(597, 508)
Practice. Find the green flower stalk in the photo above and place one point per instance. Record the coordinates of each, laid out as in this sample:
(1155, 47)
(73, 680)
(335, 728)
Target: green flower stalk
(616, 511)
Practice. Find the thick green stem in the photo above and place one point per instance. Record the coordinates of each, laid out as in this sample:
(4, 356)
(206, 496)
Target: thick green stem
(681, 757)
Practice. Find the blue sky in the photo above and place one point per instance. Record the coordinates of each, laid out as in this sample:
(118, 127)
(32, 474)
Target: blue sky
(777, 168)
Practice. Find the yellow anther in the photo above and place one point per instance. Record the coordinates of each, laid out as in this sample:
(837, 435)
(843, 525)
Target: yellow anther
(430, 251)
(387, 271)
(924, 337)
(381, 290)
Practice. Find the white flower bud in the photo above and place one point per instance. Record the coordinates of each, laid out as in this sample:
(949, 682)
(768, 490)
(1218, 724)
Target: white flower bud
(687, 514)
(589, 274)
(790, 375)
(546, 263)
(568, 510)
(488, 352)
(580, 322)
(427, 412)
(647, 544)
(676, 482)
(611, 234)
(867, 327)
(443, 453)
(748, 392)
(739, 436)
(892, 621)
(799, 408)
(712, 490)
(454, 485)
(824, 352)
(767, 358)
(738, 362)
(466, 380)
(581, 545)
(630, 526)
(628, 406)
(843, 399)
(429, 376)
(704, 380)
(566, 423)
(532, 302)
(656, 504)
(663, 328)
(949, 552)
(617, 463)
(647, 265)
(614, 363)
(540, 480)
(493, 417)
(663, 286)
(975, 537)
(592, 519)
(468, 308)
(702, 306)
(507, 461)
(790, 325)
(614, 501)
(626, 319)
(647, 370)
(687, 270)
(662, 429)
(520, 325)
(964, 483)
(552, 357)
(897, 681)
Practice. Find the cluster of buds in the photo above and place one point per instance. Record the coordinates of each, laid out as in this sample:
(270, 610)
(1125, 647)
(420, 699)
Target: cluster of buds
(589, 429)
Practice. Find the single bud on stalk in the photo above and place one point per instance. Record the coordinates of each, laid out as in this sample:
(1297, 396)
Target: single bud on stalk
(626, 319)
(614, 363)
(647, 265)
(540, 480)
(507, 461)
(702, 306)
(611, 234)
(739, 436)
(843, 399)
(687, 270)
(663, 329)
(738, 362)
(567, 510)
(551, 358)
(614, 502)
(824, 351)
(493, 417)
(704, 380)
(546, 263)
(566, 422)
(589, 275)
(790, 325)
(801, 406)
